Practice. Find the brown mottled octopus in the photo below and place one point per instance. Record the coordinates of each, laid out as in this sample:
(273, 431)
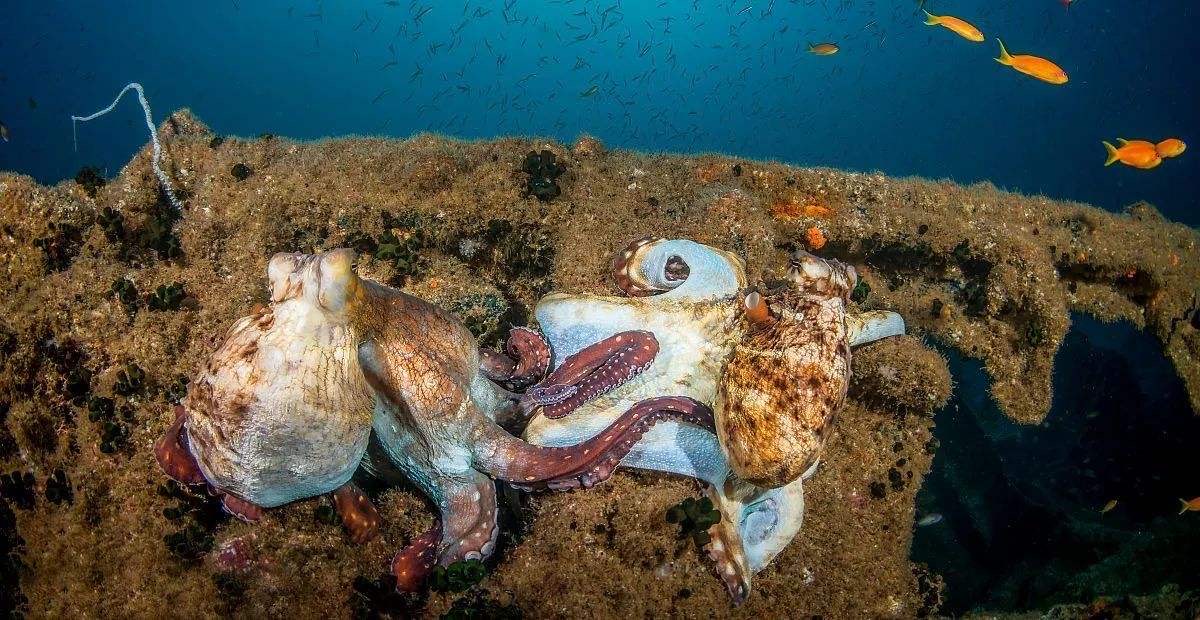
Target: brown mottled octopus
(338, 368)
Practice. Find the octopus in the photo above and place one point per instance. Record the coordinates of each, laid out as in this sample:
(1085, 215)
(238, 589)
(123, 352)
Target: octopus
(693, 299)
(340, 371)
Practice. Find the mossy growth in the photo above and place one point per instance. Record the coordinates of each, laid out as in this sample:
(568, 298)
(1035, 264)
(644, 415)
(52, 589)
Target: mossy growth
(377, 598)
(113, 421)
(860, 292)
(325, 514)
(11, 565)
(61, 246)
(401, 244)
(482, 314)
(478, 604)
(127, 293)
(543, 169)
(131, 380)
(90, 179)
(241, 171)
(176, 390)
(521, 250)
(18, 488)
(198, 516)
(113, 224)
(216, 142)
(166, 297)
(457, 577)
(158, 235)
(58, 488)
(694, 517)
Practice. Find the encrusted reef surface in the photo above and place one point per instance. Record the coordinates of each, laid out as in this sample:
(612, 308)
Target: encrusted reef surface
(110, 301)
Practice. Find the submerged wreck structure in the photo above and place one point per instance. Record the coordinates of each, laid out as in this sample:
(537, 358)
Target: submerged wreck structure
(112, 297)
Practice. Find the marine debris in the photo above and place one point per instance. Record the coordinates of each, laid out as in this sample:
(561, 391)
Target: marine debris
(1005, 270)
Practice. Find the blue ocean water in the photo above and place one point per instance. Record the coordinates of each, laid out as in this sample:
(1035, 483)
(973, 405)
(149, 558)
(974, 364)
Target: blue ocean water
(683, 76)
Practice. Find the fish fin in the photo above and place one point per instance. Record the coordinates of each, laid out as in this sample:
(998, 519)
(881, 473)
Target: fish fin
(1183, 505)
(1122, 141)
(930, 18)
(1112, 154)
(1005, 58)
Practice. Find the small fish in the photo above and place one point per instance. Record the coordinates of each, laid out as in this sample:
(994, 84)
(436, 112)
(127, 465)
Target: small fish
(1112, 503)
(930, 519)
(1032, 66)
(1189, 504)
(1171, 147)
(590, 91)
(1139, 154)
(3, 131)
(823, 49)
(953, 24)
(32, 103)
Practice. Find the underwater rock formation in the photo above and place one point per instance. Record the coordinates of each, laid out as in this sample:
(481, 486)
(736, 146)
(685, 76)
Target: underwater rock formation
(1004, 270)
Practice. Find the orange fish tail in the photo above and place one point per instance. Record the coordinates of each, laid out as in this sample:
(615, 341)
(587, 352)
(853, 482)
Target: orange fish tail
(1005, 58)
(1112, 154)
(1183, 505)
(931, 19)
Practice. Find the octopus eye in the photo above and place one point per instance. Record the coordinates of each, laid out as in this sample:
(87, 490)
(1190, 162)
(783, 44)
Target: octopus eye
(676, 269)
(816, 268)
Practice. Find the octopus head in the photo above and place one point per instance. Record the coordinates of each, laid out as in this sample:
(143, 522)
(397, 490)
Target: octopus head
(325, 280)
(816, 276)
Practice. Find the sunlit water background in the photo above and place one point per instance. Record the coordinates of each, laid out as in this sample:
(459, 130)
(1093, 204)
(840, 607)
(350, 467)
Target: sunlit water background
(732, 77)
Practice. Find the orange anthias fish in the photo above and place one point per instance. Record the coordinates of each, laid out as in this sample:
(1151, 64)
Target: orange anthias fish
(1138, 154)
(1189, 504)
(1032, 66)
(955, 25)
(823, 49)
(1171, 147)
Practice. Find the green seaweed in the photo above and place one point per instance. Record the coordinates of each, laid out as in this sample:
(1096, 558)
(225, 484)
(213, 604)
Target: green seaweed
(61, 246)
(543, 169)
(479, 605)
(90, 179)
(458, 576)
(127, 293)
(694, 517)
(58, 488)
(130, 381)
(166, 297)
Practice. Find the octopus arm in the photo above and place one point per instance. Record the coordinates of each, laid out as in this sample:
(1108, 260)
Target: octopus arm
(466, 530)
(874, 325)
(585, 464)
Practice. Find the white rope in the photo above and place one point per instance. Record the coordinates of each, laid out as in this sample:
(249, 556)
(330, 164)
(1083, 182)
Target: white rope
(163, 180)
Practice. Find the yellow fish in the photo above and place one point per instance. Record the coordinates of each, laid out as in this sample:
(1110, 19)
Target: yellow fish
(1139, 154)
(1171, 147)
(823, 49)
(1189, 504)
(3, 131)
(1032, 66)
(953, 24)
(1112, 503)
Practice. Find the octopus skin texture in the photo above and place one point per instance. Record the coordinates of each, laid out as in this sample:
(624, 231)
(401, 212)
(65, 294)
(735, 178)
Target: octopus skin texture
(341, 371)
(691, 298)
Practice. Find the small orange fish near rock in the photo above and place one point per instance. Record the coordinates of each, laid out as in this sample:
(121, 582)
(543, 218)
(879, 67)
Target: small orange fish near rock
(1171, 147)
(823, 49)
(1139, 154)
(814, 238)
(1032, 66)
(959, 27)
(1192, 505)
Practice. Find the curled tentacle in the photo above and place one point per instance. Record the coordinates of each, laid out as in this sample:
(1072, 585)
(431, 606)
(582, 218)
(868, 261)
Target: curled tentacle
(527, 466)
(525, 360)
(411, 567)
(358, 514)
(172, 453)
(591, 372)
